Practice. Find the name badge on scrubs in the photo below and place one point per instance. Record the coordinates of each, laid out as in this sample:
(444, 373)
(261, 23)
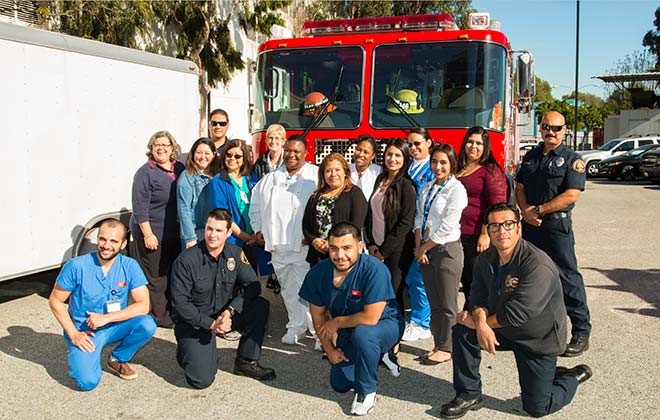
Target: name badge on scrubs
(113, 305)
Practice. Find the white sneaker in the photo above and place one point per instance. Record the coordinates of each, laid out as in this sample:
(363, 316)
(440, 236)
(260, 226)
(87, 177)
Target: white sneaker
(363, 404)
(414, 332)
(318, 346)
(390, 360)
(290, 338)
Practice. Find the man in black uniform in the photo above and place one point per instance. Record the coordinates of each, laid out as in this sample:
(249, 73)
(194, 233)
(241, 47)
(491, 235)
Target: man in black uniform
(516, 304)
(203, 305)
(548, 184)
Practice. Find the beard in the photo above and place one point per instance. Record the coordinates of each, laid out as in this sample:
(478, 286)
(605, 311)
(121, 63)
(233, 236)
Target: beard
(112, 255)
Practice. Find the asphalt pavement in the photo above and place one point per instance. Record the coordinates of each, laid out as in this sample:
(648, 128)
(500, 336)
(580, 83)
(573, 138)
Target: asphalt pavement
(618, 243)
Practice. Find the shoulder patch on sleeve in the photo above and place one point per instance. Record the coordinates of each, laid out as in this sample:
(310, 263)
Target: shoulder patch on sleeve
(244, 259)
(578, 166)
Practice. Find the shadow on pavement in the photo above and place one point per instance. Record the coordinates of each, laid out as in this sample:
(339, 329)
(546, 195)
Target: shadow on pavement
(40, 283)
(50, 351)
(643, 283)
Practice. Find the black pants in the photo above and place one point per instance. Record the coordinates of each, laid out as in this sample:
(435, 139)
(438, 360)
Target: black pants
(156, 265)
(196, 350)
(541, 392)
(470, 253)
(555, 238)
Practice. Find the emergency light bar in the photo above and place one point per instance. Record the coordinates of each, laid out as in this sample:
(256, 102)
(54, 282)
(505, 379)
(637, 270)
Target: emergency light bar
(441, 22)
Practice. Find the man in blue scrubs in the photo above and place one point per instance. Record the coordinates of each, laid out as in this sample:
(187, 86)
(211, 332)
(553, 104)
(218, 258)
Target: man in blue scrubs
(99, 284)
(355, 315)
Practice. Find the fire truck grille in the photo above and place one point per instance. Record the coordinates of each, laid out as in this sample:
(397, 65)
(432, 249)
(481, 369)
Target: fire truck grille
(345, 147)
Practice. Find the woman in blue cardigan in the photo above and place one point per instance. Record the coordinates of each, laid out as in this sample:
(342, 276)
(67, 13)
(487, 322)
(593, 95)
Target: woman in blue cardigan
(231, 189)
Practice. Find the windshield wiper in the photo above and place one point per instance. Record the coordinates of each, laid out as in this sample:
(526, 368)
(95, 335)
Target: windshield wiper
(392, 101)
(318, 118)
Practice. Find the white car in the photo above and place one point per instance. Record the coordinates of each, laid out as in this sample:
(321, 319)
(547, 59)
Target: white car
(613, 147)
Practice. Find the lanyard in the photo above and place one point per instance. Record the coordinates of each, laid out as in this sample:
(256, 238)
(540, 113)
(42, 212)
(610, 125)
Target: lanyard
(429, 202)
(416, 169)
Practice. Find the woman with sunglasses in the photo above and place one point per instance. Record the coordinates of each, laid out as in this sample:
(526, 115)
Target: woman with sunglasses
(391, 212)
(191, 192)
(486, 184)
(154, 224)
(231, 189)
(419, 318)
(335, 200)
(438, 248)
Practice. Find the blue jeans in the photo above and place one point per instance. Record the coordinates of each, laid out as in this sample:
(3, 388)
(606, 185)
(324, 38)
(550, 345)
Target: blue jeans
(132, 334)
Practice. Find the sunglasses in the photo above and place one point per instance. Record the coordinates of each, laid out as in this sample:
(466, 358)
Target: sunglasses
(555, 128)
(235, 156)
(415, 143)
(220, 123)
(507, 225)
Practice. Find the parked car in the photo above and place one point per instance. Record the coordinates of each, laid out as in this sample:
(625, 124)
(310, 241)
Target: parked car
(613, 147)
(649, 165)
(626, 165)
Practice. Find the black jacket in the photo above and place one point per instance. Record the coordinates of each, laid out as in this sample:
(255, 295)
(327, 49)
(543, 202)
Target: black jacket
(397, 224)
(529, 302)
(260, 167)
(351, 206)
(202, 287)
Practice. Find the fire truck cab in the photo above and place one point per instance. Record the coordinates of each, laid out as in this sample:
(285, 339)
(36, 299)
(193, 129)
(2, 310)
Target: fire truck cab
(384, 76)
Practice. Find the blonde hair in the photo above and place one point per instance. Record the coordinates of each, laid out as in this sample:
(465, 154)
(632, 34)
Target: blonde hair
(170, 137)
(276, 129)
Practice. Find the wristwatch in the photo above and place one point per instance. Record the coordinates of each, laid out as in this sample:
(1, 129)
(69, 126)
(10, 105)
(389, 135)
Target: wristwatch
(231, 310)
(538, 212)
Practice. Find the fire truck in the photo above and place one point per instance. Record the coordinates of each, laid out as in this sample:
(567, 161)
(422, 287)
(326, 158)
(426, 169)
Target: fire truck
(383, 76)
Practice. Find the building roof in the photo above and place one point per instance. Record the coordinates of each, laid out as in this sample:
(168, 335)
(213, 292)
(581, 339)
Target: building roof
(629, 77)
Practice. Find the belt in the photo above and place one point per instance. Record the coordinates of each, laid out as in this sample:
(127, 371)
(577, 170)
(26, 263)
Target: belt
(558, 215)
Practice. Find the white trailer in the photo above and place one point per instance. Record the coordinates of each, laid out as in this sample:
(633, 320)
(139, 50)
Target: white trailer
(75, 118)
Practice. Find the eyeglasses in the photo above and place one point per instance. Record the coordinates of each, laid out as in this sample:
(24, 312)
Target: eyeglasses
(415, 143)
(507, 224)
(555, 128)
(161, 145)
(235, 156)
(220, 123)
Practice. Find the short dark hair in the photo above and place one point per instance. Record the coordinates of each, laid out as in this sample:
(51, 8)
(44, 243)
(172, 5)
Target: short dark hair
(222, 215)
(219, 111)
(297, 137)
(422, 132)
(448, 150)
(246, 164)
(114, 223)
(502, 207)
(370, 140)
(343, 229)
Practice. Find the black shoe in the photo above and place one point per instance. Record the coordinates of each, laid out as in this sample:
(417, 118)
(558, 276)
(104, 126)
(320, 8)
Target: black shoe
(458, 407)
(578, 345)
(252, 369)
(581, 372)
(272, 283)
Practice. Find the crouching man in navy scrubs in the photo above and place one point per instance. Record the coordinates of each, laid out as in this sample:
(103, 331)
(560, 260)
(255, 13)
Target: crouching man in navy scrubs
(99, 284)
(355, 315)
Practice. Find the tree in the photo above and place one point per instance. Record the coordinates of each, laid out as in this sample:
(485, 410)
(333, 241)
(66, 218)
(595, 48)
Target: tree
(586, 98)
(639, 61)
(191, 30)
(459, 9)
(543, 90)
(651, 39)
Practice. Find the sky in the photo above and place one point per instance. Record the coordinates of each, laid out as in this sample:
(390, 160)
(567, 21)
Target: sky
(609, 30)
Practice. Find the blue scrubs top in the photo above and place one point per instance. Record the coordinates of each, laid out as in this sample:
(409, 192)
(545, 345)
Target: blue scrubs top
(91, 290)
(368, 282)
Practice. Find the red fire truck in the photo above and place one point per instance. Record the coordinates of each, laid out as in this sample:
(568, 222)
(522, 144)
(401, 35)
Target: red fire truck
(383, 76)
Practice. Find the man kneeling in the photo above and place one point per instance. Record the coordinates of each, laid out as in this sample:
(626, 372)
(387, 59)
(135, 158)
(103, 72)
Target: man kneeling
(203, 305)
(99, 284)
(355, 315)
(516, 303)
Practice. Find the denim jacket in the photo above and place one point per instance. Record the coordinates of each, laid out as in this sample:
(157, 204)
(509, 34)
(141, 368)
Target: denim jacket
(192, 200)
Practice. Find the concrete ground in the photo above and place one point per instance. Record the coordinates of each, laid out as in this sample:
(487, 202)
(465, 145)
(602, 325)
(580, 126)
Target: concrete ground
(618, 243)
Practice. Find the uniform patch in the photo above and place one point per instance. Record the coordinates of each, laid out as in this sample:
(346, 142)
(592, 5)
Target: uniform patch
(121, 284)
(510, 283)
(578, 166)
(244, 259)
(559, 161)
(356, 293)
(231, 264)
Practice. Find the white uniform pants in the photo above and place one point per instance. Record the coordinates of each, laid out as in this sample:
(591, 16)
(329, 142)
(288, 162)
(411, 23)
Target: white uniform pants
(291, 268)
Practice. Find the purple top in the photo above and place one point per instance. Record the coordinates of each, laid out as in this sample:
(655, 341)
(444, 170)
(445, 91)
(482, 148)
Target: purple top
(484, 187)
(154, 200)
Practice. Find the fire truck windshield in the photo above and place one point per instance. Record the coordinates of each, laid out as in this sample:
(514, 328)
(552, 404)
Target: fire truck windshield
(438, 84)
(294, 85)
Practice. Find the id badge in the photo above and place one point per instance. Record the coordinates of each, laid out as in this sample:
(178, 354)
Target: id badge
(113, 305)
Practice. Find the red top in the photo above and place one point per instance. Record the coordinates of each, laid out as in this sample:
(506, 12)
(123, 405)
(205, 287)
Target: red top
(485, 187)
